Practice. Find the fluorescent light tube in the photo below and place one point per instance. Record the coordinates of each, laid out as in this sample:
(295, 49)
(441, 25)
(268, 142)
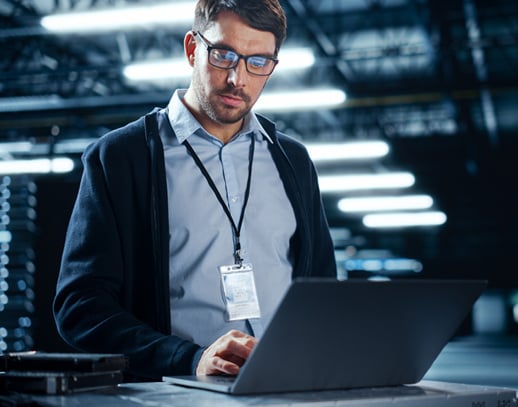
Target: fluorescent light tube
(389, 265)
(300, 100)
(347, 151)
(37, 166)
(294, 58)
(178, 68)
(404, 219)
(339, 183)
(158, 70)
(72, 145)
(15, 146)
(17, 103)
(403, 265)
(95, 21)
(382, 203)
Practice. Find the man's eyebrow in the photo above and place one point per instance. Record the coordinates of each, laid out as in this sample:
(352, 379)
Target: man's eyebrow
(223, 46)
(219, 44)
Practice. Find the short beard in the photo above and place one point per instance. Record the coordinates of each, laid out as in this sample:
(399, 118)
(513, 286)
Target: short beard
(211, 110)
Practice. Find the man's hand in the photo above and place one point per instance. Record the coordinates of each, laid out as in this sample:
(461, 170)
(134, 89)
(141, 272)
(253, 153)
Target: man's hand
(227, 354)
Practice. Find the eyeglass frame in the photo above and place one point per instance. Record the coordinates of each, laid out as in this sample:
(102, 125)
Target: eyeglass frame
(209, 46)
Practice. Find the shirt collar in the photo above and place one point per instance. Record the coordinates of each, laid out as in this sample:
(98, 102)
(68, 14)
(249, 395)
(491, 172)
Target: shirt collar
(185, 124)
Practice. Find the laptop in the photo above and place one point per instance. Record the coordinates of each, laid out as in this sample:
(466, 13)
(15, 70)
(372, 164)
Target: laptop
(328, 334)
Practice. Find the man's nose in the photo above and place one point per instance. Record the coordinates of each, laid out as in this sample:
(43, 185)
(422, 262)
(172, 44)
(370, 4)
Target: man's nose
(237, 75)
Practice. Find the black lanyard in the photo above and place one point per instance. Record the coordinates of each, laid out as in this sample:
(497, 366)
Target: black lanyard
(236, 229)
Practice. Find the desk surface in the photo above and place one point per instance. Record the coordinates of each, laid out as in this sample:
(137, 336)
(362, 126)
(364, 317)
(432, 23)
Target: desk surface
(485, 360)
(477, 361)
(425, 393)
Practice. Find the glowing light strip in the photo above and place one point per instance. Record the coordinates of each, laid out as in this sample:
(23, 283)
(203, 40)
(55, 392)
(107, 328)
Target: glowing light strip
(300, 100)
(295, 58)
(339, 183)
(396, 220)
(37, 166)
(380, 264)
(347, 151)
(95, 21)
(15, 146)
(381, 203)
(178, 68)
(158, 70)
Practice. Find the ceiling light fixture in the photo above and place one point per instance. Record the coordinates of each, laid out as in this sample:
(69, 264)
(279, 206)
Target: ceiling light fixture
(30, 103)
(347, 151)
(295, 58)
(404, 219)
(37, 166)
(340, 183)
(95, 21)
(391, 265)
(15, 147)
(383, 203)
(308, 99)
(277, 102)
(151, 71)
(178, 68)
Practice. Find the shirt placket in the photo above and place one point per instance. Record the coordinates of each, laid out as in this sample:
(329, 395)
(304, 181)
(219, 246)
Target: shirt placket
(234, 195)
(233, 189)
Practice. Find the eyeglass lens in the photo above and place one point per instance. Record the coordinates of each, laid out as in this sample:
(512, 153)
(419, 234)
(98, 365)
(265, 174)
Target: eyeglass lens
(227, 59)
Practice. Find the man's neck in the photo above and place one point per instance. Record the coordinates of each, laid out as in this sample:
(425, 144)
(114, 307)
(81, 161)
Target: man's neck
(223, 132)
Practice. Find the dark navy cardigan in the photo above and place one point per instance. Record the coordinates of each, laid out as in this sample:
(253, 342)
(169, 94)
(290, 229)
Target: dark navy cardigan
(113, 288)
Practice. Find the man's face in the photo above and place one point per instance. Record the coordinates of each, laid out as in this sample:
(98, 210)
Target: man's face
(225, 96)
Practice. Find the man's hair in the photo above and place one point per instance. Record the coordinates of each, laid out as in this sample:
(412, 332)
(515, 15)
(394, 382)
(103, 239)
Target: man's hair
(263, 15)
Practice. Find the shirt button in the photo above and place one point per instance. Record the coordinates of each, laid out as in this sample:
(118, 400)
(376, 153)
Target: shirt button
(234, 199)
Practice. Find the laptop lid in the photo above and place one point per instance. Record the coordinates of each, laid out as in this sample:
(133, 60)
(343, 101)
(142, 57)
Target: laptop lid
(328, 334)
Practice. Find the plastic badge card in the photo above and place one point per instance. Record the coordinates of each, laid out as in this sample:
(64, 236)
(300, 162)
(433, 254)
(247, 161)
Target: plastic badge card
(239, 292)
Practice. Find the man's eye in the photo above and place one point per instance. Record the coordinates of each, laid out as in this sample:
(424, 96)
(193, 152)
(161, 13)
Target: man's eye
(257, 61)
(224, 56)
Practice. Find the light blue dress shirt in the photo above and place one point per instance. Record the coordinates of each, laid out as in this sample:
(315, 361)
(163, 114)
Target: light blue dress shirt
(201, 236)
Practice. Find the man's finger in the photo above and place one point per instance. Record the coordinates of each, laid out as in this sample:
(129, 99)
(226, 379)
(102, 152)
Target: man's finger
(227, 354)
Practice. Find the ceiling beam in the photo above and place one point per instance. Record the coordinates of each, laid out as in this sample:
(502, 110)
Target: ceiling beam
(323, 41)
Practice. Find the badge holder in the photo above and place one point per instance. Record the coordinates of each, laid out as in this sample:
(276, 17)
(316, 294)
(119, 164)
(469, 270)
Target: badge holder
(239, 292)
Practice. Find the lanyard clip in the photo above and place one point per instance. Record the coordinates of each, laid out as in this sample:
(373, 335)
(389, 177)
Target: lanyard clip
(237, 255)
(238, 258)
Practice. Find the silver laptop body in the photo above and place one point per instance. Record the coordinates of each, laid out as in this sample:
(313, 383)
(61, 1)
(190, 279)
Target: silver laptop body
(329, 334)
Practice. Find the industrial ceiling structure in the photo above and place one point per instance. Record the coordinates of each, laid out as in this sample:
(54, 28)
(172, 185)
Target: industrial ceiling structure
(436, 80)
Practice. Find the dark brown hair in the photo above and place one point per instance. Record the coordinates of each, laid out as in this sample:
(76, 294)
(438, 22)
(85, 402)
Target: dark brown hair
(263, 15)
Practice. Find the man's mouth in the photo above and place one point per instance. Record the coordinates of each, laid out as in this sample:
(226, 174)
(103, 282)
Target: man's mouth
(231, 100)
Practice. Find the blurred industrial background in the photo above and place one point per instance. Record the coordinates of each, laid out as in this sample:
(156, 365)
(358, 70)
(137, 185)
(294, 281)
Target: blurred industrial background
(432, 84)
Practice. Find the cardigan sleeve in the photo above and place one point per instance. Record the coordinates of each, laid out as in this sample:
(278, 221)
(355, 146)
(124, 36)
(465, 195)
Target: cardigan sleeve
(105, 291)
(314, 249)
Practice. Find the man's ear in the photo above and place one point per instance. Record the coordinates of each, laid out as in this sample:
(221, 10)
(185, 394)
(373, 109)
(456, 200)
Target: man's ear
(189, 46)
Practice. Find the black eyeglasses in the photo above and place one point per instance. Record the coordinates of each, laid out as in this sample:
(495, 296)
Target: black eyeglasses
(224, 58)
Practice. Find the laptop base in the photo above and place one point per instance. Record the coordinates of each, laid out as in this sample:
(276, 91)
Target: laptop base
(423, 394)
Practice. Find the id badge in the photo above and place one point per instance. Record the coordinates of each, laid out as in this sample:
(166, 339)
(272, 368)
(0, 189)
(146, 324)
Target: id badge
(239, 292)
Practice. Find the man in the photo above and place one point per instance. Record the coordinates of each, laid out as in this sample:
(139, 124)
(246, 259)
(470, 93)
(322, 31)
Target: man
(191, 222)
